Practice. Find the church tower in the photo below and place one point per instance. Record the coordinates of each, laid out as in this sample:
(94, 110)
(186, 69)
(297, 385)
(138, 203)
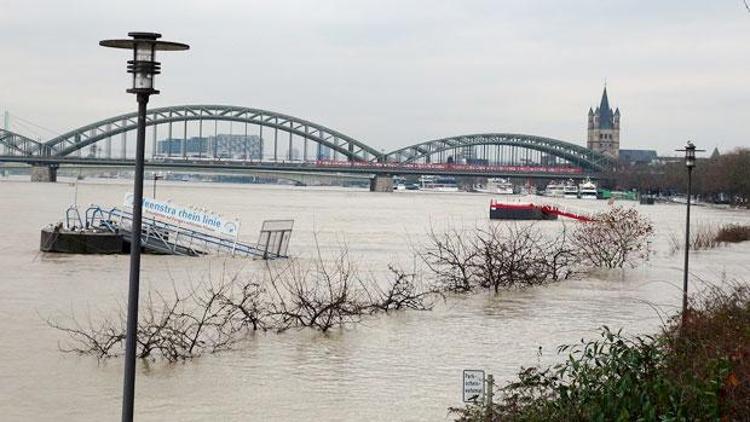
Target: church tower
(604, 128)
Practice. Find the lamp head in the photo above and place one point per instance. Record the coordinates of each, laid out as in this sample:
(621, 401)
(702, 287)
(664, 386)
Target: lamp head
(690, 151)
(689, 155)
(144, 65)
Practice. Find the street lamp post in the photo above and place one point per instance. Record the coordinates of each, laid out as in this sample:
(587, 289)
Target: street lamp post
(156, 177)
(689, 163)
(143, 67)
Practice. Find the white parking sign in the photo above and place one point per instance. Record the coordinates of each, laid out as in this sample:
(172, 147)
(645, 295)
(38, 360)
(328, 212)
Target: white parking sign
(473, 385)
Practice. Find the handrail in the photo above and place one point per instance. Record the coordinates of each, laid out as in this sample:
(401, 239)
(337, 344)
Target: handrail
(172, 238)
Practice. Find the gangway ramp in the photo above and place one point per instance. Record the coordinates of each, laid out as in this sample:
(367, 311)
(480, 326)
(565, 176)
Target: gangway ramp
(158, 236)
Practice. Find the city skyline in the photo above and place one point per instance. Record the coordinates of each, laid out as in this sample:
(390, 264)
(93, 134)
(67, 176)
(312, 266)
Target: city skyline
(393, 74)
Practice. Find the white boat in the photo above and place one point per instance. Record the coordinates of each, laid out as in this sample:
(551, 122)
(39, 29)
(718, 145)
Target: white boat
(555, 189)
(587, 190)
(438, 183)
(570, 190)
(496, 186)
(399, 183)
(527, 190)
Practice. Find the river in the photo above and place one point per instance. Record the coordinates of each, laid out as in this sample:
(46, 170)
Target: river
(401, 367)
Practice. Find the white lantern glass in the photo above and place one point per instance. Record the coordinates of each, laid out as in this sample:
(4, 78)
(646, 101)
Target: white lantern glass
(144, 52)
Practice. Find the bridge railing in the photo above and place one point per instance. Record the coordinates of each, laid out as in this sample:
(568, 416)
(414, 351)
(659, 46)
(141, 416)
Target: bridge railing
(452, 166)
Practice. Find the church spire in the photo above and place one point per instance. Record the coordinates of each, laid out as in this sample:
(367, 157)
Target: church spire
(604, 127)
(605, 112)
(604, 105)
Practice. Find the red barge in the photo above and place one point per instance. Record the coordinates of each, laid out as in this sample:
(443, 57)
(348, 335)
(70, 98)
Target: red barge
(530, 211)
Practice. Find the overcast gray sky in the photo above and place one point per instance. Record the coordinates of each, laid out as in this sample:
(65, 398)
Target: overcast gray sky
(393, 73)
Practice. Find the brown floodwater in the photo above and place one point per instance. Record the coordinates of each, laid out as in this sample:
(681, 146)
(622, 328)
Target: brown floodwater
(405, 367)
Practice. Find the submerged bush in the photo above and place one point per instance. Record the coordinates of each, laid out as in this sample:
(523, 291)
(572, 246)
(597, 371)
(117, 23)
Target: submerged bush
(733, 233)
(709, 236)
(498, 257)
(215, 316)
(511, 256)
(617, 237)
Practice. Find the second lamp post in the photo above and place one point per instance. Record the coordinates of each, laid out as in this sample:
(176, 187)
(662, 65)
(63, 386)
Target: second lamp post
(690, 164)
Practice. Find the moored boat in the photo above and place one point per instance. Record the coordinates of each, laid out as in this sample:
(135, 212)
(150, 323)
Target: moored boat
(399, 183)
(520, 211)
(498, 186)
(570, 189)
(530, 211)
(438, 183)
(587, 190)
(555, 189)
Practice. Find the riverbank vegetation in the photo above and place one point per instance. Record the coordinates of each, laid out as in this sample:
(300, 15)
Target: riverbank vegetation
(216, 315)
(733, 233)
(708, 236)
(722, 178)
(331, 292)
(500, 257)
(696, 371)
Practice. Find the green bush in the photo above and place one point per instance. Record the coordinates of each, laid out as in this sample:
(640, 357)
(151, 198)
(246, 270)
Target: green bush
(699, 371)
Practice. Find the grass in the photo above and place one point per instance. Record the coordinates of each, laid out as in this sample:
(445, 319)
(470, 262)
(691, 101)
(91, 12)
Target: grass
(708, 236)
(696, 371)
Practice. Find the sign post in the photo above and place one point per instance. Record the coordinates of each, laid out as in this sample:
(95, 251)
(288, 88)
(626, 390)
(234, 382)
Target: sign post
(473, 385)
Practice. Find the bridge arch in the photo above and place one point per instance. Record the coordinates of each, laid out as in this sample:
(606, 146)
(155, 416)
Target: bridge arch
(16, 144)
(572, 153)
(75, 140)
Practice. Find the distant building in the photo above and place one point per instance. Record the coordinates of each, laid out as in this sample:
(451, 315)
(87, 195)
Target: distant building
(466, 155)
(324, 153)
(93, 151)
(604, 128)
(638, 156)
(295, 155)
(220, 146)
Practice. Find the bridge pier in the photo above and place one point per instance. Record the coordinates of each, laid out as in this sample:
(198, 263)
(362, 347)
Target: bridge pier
(381, 183)
(44, 173)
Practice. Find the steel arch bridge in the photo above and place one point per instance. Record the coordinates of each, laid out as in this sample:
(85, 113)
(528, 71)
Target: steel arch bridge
(504, 153)
(574, 154)
(15, 143)
(339, 143)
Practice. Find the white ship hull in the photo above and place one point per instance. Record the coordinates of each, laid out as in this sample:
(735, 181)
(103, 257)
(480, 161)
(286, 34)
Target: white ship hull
(495, 191)
(588, 195)
(440, 189)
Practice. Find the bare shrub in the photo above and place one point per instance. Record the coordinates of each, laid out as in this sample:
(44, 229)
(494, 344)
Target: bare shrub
(332, 295)
(702, 237)
(101, 340)
(499, 257)
(214, 316)
(451, 259)
(615, 238)
(248, 306)
(509, 258)
(561, 260)
(403, 291)
(708, 236)
(733, 233)
(173, 327)
(320, 297)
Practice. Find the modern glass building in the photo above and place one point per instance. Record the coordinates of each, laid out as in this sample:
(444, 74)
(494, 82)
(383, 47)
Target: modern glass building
(239, 147)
